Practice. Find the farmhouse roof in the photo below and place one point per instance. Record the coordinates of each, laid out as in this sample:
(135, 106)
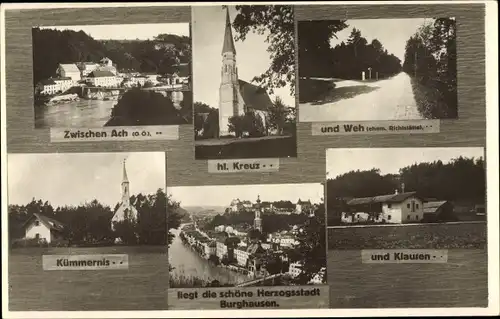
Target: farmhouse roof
(100, 74)
(69, 67)
(254, 96)
(393, 198)
(47, 221)
(432, 207)
(228, 45)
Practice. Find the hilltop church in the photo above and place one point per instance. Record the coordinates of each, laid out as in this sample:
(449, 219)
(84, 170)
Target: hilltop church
(125, 211)
(237, 97)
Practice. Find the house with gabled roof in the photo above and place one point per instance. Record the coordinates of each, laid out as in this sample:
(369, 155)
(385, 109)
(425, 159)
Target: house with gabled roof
(69, 70)
(394, 208)
(41, 227)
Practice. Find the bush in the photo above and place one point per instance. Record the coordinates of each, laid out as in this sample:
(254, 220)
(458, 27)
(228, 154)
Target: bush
(250, 123)
(314, 90)
(33, 242)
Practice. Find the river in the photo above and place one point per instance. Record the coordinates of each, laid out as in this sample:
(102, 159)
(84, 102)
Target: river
(187, 263)
(82, 113)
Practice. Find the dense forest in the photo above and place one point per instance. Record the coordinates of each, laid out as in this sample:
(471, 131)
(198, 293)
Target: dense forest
(358, 55)
(461, 180)
(51, 47)
(346, 60)
(90, 223)
(431, 58)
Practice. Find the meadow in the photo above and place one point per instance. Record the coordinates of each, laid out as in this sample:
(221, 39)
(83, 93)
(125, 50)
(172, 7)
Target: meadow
(142, 287)
(263, 147)
(461, 282)
(413, 236)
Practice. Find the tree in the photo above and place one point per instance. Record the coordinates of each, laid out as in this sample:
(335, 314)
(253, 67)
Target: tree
(273, 263)
(202, 112)
(236, 125)
(311, 250)
(138, 107)
(314, 46)
(173, 217)
(152, 218)
(214, 259)
(276, 23)
(278, 115)
(126, 232)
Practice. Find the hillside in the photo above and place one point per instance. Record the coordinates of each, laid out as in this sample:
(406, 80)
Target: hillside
(51, 47)
(205, 210)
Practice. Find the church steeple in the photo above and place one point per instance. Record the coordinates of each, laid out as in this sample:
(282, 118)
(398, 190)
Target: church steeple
(228, 45)
(230, 100)
(257, 222)
(125, 187)
(125, 178)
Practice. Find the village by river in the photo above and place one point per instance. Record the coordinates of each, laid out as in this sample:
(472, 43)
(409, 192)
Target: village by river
(187, 263)
(82, 113)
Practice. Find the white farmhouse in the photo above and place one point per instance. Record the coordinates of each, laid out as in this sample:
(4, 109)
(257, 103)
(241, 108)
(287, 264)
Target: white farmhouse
(41, 227)
(395, 208)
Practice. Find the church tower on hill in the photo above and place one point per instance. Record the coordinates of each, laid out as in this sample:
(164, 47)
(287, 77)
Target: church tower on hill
(230, 101)
(257, 222)
(125, 211)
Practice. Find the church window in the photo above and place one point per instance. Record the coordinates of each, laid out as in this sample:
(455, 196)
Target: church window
(37, 223)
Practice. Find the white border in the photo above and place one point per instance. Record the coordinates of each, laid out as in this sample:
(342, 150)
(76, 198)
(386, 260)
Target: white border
(491, 24)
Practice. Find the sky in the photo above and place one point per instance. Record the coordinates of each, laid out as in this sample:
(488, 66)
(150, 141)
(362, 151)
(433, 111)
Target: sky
(73, 179)
(252, 59)
(392, 33)
(222, 195)
(390, 160)
(128, 31)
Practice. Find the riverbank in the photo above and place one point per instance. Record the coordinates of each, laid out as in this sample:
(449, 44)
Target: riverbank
(190, 270)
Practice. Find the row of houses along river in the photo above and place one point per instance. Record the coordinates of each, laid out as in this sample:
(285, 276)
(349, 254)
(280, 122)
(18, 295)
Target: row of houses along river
(187, 263)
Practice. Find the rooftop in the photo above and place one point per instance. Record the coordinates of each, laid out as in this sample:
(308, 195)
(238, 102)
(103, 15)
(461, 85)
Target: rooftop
(100, 74)
(393, 198)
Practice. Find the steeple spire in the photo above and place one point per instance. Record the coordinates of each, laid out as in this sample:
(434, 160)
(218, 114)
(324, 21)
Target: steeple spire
(125, 178)
(228, 36)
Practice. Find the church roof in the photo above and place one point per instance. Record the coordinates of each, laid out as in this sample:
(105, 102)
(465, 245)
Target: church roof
(125, 177)
(254, 96)
(228, 45)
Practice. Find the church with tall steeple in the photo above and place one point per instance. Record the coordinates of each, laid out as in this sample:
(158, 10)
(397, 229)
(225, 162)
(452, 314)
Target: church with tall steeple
(237, 97)
(125, 211)
(257, 222)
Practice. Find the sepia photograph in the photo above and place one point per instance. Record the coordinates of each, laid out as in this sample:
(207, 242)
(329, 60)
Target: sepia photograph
(246, 235)
(377, 69)
(243, 82)
(408, 198)
(87, 204)
(91, 76)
